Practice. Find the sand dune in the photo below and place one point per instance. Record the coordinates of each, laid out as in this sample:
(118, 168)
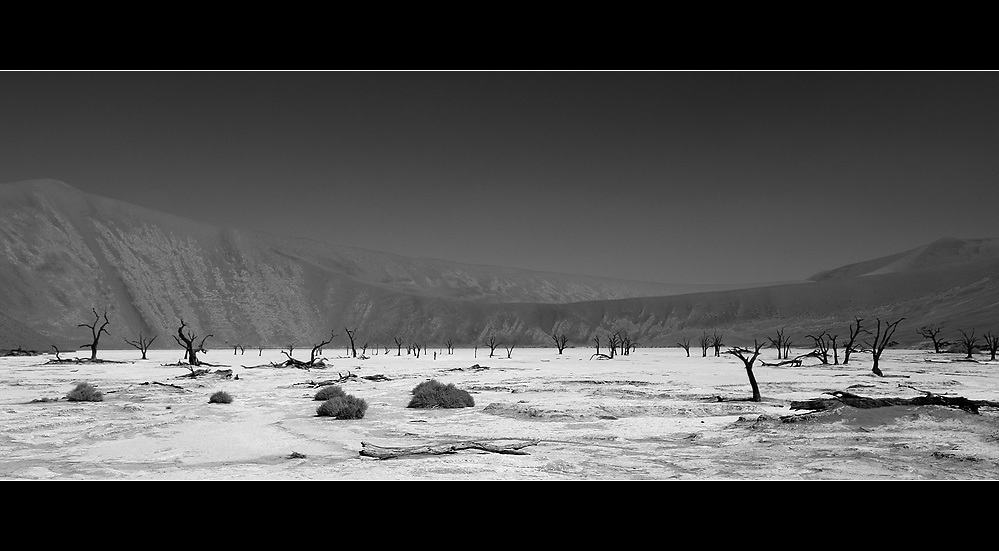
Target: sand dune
(68, 252)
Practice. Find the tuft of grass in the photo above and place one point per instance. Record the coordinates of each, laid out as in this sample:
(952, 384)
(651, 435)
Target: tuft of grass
(343, 407)
(434, 394)
(328, 392)
(220, 397)
(85, 392)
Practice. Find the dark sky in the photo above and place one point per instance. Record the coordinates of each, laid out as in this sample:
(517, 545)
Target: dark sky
(678, 177)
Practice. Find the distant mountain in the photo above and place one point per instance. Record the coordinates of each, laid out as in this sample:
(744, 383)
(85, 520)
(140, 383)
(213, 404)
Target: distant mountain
(964, 295)
(65, 252)
(946, 253)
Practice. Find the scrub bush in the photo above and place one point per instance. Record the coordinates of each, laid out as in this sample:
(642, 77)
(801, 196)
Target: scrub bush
(434, 394)
(85, 392)
(343, 407)
(220, 397)
(328, 392)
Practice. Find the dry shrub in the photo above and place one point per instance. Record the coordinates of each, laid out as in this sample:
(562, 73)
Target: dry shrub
(328, 392)
(343, 407)
(85, 392)
(434, 394)
(220, 397)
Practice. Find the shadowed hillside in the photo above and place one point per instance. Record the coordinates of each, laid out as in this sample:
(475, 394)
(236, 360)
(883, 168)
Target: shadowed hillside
(64, 252)
(965, 296)
(946, 252)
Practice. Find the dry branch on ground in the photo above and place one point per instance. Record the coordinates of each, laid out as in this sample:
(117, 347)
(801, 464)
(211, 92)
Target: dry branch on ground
(475, 367)
(341, 379)
(384, 452)
(840, 398)
(83, 361)
(165, 384)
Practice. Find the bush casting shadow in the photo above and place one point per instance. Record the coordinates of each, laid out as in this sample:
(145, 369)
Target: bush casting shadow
(328, 392)
(220, 397)
(434, 394)
(85, 392)
(343, 407)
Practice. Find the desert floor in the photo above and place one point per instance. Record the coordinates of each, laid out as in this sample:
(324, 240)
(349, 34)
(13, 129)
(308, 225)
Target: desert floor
(651, 415)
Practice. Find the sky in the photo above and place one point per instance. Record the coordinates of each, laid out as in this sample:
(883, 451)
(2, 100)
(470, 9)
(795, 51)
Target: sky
(673, 177)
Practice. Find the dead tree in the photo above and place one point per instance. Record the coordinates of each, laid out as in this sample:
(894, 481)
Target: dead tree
(492, 344)
(716, 343)
(350, 335)
(596, 339)
(364, 349)
(881, 341)
(748, 357)
(142, 344)
(416, 348)
(560, 341)
(241, 349)
(685, 345)
(612, 342)
(54, 347)
(821, 350)
(315, 359)
(992, 343)
(931, 332)
(96, 332)
(968, 342)
(778, 343)
(705, 342)
(832, 344)
(398, 346)
(450, 346)
(187, 342)
(850, 347)
(509, 349)
(627, 345)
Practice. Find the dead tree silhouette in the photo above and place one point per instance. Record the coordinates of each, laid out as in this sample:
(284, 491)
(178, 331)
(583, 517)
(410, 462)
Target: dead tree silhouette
(881, 341)
(96, 332)
(187, 342)
(142, 344)
(748, 357)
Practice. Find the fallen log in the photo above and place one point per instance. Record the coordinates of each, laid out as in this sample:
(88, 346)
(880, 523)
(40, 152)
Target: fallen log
(475, 367)
(342, 379)
(384, 452)
(793, 362)
(83, 361)
(840, 398)
(165, 384)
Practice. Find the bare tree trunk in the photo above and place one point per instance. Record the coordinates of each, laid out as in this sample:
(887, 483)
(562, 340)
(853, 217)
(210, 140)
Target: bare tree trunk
(881, 341)
(350, 335)
(142, 344)
(685, 344)
(743, 354)
(96, 332)
(187, 341)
